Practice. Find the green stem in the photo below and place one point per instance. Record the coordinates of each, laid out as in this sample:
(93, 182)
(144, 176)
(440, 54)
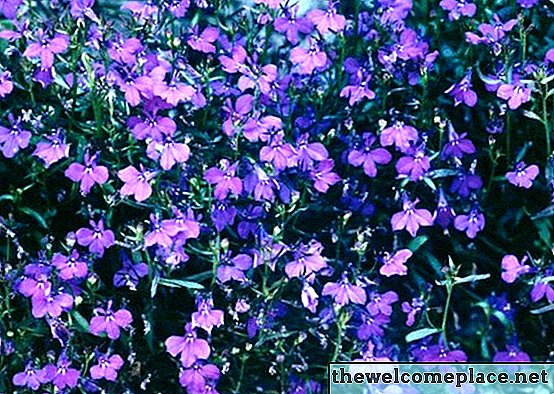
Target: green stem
(508, 137)
(449, 288)
(546, 124)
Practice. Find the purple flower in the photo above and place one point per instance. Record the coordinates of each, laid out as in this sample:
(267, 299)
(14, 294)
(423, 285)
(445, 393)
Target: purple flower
(197, 376)
(82, 8)
(523, 176)
(69, 267)
(540, 290)
(395, 10)
(236, 114)
(511, 355)
(189, 347)
(308, 60)
(152, 126)
(399, 134)
(309, 298)
(168, 152)
(439, 353)
(444, 214)
(412, 310)
(51, 304)
(458, 8)
(457, 146)
(528, 3)
(224, 179)
(31, 378)
(9, 8)
(36, 286)
(415, 165)
(372, 326)
(368, 157)
(462, 92)
(206, 317)
(516, 93)
(6, 84)
(277, 152)
(107, 367)
(178, 7)
(46, 48)
(143, 11)
(411, 218)
(290, 25)
(307, 260)
(492, 34)
(358, 92)
(130, 274)
(512, 268)
(381, 303)
(323, 176)
(233, 269)
(173, 93)
(125, 51)
(471, 224)
(466, 182)
(328, 20)
(61, 374)
(203, 42)
(223, 215)
(96, 239)
(110, 322)
(87, 174)
(137, 183)
(344, 292)
(161, 232)
(14, 138)
(395, 264)
(53, 150)
(305, 153)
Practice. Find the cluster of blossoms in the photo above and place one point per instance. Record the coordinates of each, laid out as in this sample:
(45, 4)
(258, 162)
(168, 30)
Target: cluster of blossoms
(209, 196)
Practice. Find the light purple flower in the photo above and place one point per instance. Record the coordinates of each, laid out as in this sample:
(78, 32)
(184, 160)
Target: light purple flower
(107, 367)
(395, 264)
(412, 310)
(414, 165)
(225, 180)
(399, 134)
(168, 152)
(203, 42)
(328, 20)
(14, 138)
(523, 176)
(512, 355)
(6, 84)
(278, 152)
(307, 260)
(344, 292)
(70, 267)
(462, 92)
(206, 317)
(197, 377)
(308, 60)
(31, 378)
(368, 157)
(516, 93)
(305, 153)
(309, 298)
(471, 224)
(512, 268)
(458, 8)
(61, 375)
(9, 8)
(161, 232)
(540, 290)
(290, 25)
(323, 175)
(46, 48)
(96, 239)
(87, 174)
(358, 92)
(234, 268)
(125, 51)
(53, 150)
(137, 183)
(381, 303)
(528, 3)
(51, 304)
(189, 347)
(110, 322)
(411, 218)
(236, 114)
(457, 146)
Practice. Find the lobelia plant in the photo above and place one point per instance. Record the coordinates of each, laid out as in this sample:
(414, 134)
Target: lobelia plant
(223, 196)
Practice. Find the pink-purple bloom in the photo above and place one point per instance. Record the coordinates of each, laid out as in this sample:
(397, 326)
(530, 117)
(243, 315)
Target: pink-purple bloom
(137, 183)
(522, 175)
(411, 218)
(109, 321)
(189, 347)
(88, 174)
(107, 367)
(224, 179)
(97, 239)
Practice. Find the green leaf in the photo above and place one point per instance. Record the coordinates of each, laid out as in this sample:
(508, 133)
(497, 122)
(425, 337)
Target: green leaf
(82, 323)
(442, 173)
(181, 283)
(532, 115)
(420, 334)
(37, 216)
(544, 309)
(417, 243)
(471, 278)
(544, 213)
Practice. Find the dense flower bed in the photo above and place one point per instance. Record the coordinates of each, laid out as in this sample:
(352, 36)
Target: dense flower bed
(223, 196)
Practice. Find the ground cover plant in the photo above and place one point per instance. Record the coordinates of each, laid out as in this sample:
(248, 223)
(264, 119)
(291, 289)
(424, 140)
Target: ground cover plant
(217, 196)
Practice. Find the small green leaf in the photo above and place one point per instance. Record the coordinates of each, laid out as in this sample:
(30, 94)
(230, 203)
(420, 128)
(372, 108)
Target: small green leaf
(544, 213)
(544, 309)
(82, 323)
(181, 283)
(417, 243)
(37, 216)
(420, 334)
(471, 278)
(532, 115)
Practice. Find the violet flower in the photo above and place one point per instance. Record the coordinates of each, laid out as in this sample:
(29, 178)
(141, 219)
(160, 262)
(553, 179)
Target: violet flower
(225, 180)
(278, 152)
(411, 218)
(6, 84)
(31, 377)
(368, 157)
(444, 214)
(328, 20)
(414, 165)
(137, 183)
(130, 274)
(344, 292)
(107, 367)
(310, 59)
(305, 153)
(198, 375)
(457, 146)
(46, 48)
(372, 326)
(14, 138)
(512, 268)
(462, 92)
(9, 8)
(458, 8)
(399, 134)
(206, 317)
(512, 355)
(96, 239)
(323, 176)
(358, 92)
(51, 304)
(203, 42)
(168, 152)
(87, 174)
(381, 303)
(411, 310)
(309, 298)
(290, 25)
(189, 347)
(53, 150)
(395, 264)
(110, 322)
(126, 51)
(307, 260)
(161, 232)
(523, 176)
(236, 114)
(61, 375)
(234, 268)
(69, 267)
(516, 92)
(471, 223)
(541, 290)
